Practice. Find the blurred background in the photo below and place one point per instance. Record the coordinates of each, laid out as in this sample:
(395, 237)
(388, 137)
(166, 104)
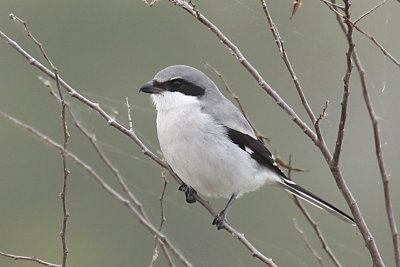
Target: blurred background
(107, 50)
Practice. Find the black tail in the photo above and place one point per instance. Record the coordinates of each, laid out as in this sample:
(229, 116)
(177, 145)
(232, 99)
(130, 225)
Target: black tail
(302, 193)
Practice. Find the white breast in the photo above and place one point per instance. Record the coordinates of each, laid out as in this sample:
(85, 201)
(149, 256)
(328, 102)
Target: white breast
(199, 151)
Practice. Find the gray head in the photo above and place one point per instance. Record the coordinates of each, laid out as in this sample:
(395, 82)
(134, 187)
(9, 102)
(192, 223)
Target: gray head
(184, 79)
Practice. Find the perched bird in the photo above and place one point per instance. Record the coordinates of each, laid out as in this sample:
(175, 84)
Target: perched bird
(210, 145)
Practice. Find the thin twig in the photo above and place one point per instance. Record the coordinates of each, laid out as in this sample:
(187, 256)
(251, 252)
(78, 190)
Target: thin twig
(317, 126)
(381, 163)
(313, 223)
(288, 166)
(66, 172)
(308, 244)
(152, 229)
(112, 122)
(162, 221)
(384, 51)
(25, 258)
(333, 4)
(162, 208)
(129, 115)
(282, 51)
(296, 6)
(24, 23)
(66, 137)
(369, 11)
(323, 113)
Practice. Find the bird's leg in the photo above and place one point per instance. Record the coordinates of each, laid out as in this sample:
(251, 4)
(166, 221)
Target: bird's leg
(189, 193)
(220, 219)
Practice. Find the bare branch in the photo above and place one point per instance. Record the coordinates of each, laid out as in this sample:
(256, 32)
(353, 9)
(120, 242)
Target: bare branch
(308, 244)
(25, 258)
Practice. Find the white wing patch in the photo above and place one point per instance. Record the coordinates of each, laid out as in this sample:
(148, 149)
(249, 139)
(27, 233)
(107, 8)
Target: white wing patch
(248, 150)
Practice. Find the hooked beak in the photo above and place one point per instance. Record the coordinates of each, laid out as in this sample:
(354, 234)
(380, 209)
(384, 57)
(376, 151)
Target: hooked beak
(150, 88)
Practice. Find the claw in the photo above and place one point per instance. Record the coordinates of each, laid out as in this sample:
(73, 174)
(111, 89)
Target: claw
(189, 193)
(219, 220)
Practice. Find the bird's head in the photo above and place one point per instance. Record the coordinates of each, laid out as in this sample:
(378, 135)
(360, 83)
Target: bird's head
(179, 85)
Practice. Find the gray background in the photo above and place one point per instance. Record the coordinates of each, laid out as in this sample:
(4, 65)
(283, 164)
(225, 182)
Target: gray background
(107, 50)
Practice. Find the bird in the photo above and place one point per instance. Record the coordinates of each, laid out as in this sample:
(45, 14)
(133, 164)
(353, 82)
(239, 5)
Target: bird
(209, 143)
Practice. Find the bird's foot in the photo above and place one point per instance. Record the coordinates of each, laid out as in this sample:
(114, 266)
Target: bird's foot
(189, 193)
(220, 220)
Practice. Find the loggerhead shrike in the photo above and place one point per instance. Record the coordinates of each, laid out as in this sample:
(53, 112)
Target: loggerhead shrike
(210, 145)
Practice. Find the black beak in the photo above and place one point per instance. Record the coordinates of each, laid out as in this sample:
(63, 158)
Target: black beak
(150, 88)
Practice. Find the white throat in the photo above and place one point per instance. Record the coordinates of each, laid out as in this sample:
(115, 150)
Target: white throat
(172, 100)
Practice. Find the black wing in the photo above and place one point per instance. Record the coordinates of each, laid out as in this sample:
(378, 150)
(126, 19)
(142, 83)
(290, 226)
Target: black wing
(261, 154)
(255, 148)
